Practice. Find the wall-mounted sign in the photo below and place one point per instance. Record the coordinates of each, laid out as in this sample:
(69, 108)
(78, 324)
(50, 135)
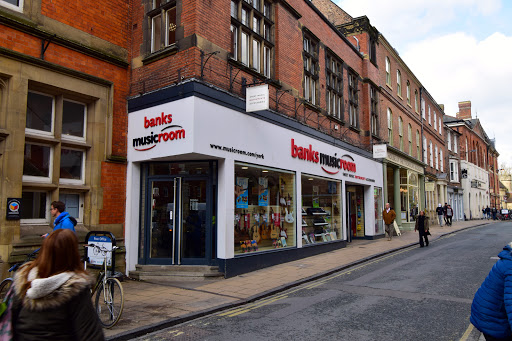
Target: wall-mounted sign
(164, 131)
(257, 98)
(464, 173)
(13, 208)
(380, 151)
(329, 164)
(430, 186)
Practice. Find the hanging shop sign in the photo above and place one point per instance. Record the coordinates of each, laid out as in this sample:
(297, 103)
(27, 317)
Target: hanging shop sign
(160, 130)
(380, 151)
(257, 98)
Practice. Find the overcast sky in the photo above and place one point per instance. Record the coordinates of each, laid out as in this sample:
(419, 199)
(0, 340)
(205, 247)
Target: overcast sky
(459, 50)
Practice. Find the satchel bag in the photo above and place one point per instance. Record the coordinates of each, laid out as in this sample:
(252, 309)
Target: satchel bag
(6, 332)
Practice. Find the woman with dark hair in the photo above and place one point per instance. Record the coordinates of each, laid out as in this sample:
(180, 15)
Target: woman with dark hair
(52, 297)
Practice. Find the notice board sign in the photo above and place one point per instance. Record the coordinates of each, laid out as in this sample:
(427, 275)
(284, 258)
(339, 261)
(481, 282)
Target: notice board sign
(13, 208)
(95, 256)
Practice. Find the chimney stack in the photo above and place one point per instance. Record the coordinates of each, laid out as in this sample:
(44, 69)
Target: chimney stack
(464, 110)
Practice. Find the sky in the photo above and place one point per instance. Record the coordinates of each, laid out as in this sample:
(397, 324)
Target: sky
(460, 50)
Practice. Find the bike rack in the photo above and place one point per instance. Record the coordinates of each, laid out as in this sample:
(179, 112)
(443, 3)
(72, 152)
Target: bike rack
(109, 235)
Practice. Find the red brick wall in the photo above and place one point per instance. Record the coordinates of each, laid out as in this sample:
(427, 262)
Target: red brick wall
(108, 20)
(113, 182)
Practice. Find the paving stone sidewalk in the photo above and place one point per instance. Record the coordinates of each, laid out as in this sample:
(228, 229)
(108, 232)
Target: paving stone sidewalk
(150, 306)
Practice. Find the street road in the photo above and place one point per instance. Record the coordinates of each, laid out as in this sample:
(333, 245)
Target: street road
(413, 294)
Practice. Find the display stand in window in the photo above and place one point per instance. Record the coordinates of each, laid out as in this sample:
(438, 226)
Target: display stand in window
(321, 219)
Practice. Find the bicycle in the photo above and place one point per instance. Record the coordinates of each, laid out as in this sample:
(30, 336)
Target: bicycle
(6, 284)
(109, 301)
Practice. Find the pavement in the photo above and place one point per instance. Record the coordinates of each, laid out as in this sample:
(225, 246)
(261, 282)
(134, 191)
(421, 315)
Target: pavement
(151, 306)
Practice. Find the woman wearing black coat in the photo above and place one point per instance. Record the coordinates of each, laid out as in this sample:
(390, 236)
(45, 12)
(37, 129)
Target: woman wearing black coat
(52, 296)
(422, 226)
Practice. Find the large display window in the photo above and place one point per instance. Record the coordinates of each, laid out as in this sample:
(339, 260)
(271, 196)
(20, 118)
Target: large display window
(321, 214)
(264, 209)
(377, 198)
(355, 210)
(409, 195)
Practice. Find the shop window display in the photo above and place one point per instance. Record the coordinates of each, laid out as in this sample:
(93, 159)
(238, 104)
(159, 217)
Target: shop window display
(264, 209)
(355, 208)
(321, 214)
(377, 198)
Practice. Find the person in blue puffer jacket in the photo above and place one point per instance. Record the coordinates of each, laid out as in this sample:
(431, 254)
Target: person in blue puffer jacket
(491, 310)
(62, 219)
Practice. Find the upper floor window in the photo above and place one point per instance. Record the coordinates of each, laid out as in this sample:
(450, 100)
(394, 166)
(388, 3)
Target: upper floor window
(390, 127)
(334, 82)
(441, 160)
(409, 136)
(454, 171)
(440, 124)
(418, 153)
(436, 157)
(310, 56)
(16, 5)
(401, 133)
(449, 141)
(416, 100)
(408, 92)
(372, 51)
(162, 18)
(435, 121)
(455, 142)
(353, 100)
(429, 116)
(431, 154)
(424, 149)
(388, 71)
(373, 107)
(423, 109)
(399, 83)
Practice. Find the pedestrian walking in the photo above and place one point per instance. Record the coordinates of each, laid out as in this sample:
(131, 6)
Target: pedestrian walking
(491, 310)
(62, 218)
(488, 212)
(389, 216)
(494, 212)
(449, 215)
(422, 226)
(445, 207)
(440, 213)
(52, 298)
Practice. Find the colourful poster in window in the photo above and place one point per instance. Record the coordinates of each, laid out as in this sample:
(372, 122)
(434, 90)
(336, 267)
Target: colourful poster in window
(242, 192)
(262, 192)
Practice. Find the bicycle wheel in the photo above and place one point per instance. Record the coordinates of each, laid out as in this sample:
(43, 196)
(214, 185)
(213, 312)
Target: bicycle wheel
(109, 302)
(4, 287)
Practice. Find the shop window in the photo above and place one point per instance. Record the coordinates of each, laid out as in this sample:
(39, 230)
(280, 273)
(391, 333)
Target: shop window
(321, 213)
(35, 207)
(374, 103)
(16, 5)
(377, 198)
(310, 57)
(413, 197)
(334, 82)
(265, 217)
(353, 100)
(251, 34)
(162, 18)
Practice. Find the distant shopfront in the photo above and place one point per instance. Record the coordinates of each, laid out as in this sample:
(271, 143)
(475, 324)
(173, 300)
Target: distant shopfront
(211, 185)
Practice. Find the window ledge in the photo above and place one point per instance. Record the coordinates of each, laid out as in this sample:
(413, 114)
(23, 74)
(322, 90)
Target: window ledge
(312, 106)
(41, 138)
(389, 86)
(38, 185)
(356, 129)
(167, 51)
(76, 144)
(75, 188)
(253, 72)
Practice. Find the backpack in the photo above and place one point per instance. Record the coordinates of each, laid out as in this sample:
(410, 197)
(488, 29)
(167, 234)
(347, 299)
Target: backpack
(73, 220)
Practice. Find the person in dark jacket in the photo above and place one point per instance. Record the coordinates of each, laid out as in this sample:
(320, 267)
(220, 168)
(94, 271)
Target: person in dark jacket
(422, 226)
(491, 310)
(440, 213)
(449, 215)
(52, 298)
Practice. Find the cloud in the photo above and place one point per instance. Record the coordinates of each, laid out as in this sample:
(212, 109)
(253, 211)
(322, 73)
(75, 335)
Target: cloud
(457, 67)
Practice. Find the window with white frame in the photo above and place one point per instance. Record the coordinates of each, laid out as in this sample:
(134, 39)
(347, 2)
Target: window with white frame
(424, 149)
(455, 143)
(436, 156)
(416, 100)
(454, 171)
(418, 153)
(401, 133)
(16, 5)
(449, 140)
(67, 149)
(390, 127)
(251, 34)
(353, 100)
(429, 116)
(408, 92)
(435, 121)
(334, 83)
(399, 83)
(409, 136)
(441, 160)
(388, 71)
(467, 151)
(431, 155)
(423, 109)
(440, 124)
(162, 18)
(310, 56)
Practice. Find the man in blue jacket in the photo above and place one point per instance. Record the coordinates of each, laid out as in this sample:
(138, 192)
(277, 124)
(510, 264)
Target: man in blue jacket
(491, 311)
(62, 218)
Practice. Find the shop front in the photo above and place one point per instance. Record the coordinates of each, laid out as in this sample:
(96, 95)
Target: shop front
(209, 185)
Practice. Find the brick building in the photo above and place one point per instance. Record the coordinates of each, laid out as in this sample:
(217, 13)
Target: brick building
(63, 88)
(479, 162)
(229, 187)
